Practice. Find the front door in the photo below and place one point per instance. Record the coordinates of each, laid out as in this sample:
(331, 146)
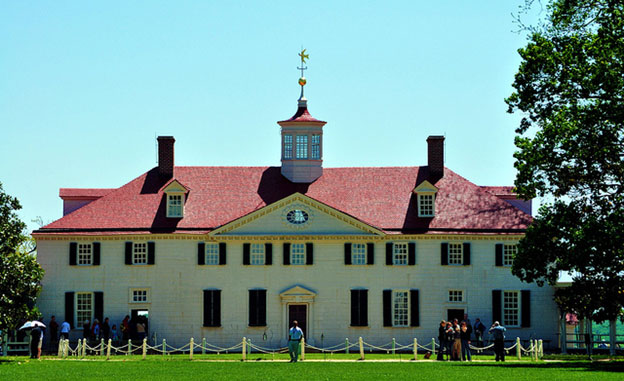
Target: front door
(455, 314)
(298, 312)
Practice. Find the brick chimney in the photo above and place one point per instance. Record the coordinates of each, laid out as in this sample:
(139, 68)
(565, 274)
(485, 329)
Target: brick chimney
(435, 156)
(165, 156)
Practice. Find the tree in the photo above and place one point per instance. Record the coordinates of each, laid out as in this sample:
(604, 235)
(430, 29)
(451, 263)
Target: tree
(20, 274)
(570, 91)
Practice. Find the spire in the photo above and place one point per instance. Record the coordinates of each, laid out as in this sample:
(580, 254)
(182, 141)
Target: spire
(302, 114)
(302, 81)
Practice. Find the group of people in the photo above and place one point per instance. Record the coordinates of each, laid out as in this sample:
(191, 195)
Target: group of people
(456, 337)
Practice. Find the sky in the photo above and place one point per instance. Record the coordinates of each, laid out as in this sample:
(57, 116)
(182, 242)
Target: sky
(85, 87)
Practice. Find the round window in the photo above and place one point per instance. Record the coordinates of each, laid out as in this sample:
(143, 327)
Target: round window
(297, 216)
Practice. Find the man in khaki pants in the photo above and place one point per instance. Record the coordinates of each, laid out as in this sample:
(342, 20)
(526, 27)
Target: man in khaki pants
(295, 334)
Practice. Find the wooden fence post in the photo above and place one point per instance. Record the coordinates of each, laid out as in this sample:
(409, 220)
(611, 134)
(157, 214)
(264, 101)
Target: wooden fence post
(361, 342)
(416, 349)
(144, 348)
(302, 348)
(108, 348)
(518, 349)
(244, 348)
(191, 348)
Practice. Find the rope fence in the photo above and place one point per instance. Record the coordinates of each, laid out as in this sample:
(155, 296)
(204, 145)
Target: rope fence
(534, 350)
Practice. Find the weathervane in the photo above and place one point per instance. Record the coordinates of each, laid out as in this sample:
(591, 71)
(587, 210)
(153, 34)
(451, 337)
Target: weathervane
(302, 80)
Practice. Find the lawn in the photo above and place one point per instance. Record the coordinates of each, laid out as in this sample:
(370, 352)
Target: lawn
(204, 367)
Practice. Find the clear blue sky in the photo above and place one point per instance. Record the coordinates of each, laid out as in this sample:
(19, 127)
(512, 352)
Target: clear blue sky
(86, 86)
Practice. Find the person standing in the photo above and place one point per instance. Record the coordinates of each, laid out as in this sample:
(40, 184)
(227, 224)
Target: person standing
(464, 335)
(456, 341)
(86, 330)
(479, 328)
(295, 334)
(65, 328)
(442, 339)
(105, 329)
(498, 332)
(125, 328)
(36, 339)
(53, 330)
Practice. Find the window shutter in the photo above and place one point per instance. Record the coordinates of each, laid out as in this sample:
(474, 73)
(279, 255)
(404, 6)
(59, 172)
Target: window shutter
(387, 308)
(201, 253)
(497, 312)
(98, 306)
(257, 308)
(151, 253)
(411, 260)
(389, 254)
(286, 254)
(96, 253)
(212, 308)
(207, 307)
(526, 308)
(262, 307)
(347, 252)
(309, 253)
(73, 249)
(414, 309)
(246, 253)
(355, 308)
(268, 254)
(128, 253)
(69, 308)
(370, 254)
(444, 254)
(364, 308)
(499, 254)
(222, 261)
(466, 253)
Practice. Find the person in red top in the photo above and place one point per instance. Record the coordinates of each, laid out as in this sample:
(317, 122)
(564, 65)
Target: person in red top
(125, 328)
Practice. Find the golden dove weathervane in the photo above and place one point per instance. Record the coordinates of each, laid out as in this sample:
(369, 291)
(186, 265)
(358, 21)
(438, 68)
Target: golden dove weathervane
(302, 80)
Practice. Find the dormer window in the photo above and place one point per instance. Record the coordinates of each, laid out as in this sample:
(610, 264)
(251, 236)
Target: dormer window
(426, 194)
(175, 194)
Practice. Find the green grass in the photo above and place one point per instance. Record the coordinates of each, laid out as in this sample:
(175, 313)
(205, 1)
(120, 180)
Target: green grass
(179, 367)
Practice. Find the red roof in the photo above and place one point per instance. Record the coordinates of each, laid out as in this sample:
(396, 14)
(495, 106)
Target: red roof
(302, 115)
(500, 191)
(91, 193)
(381, 197)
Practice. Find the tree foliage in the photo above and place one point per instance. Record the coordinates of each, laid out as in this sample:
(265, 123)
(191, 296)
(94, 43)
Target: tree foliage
(20, 274)
(570, 90)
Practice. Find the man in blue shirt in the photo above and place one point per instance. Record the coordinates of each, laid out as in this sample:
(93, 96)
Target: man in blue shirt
(498, 332)
(295, 334)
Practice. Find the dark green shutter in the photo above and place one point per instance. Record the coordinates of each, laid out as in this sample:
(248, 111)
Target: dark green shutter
(73, 249)
(207, 308)
(364, 308)
(414, 309)
(499, 254)
(151, 253)
(287, 254)
(359, 308)
(98, 306)
(201, 253)
(466, 253)
(411, 259)
(347, 256)
(387, 308)
(309, 253)
(246, 247)
(268, 254)
(222, 258)
(128, 253)
(257, 308)
(389, 254)
(444, 254)
(370, 253)
(526, 308)
(497, 313)
(212, 308)
(96, 253)
(69, 308)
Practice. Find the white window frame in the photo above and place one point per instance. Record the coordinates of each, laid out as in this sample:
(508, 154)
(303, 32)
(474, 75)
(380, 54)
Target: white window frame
(315, 147)
(257, 254)
(400, 253)
(288, 146)
(426, 204)
(456, 296)
(301, 142)
(509, 251)
(135, 296)
(455, 254)
(358, 254)
(175, 205)
(212, 254)
(298, 254)
(83, 313)
(400, 314)
(511, 303)
(139, 251)
(84, 255)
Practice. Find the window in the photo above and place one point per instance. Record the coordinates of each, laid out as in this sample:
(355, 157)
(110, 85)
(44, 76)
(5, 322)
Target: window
(400, 252)
(509, 251)
(455, 254)
(358, 254)
(212, 308)
(316, 147)
(288, 146)
(302, 146)
(212, 254)
(139, 253)
(298, 254)
(174, 205)
(139, 295)
(257, 308)
(257, 254)
(425, 205)
(359, 308)
(511, 308)
(456, 296)
(85, 254)
(400, 308)
(84, 307)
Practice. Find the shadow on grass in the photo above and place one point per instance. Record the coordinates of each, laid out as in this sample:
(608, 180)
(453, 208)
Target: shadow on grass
(595, 366)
